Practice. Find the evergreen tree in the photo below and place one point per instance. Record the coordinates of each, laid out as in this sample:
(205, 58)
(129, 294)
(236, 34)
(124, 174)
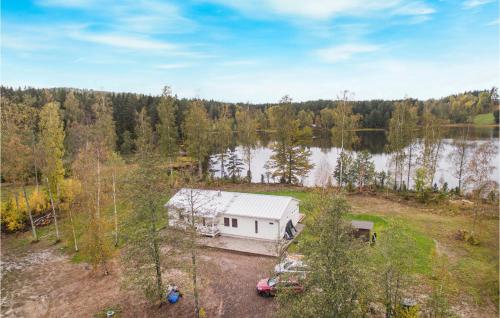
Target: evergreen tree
(144, 140)
(364, 169)
(344, 169)
(289, 161)
(128, 143)
(234, 166)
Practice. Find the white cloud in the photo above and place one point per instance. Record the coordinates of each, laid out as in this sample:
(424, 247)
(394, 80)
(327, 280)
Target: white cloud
(494, 22)
(344, 52)
(143, 16)
(66, 3)
(469, 4)
(380, 79)
(173, 66)
(125, 41)
(240, 63)
(325, 9)
(414, 8)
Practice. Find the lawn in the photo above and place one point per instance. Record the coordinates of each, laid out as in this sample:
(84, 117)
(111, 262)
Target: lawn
(474, 268)
(484, 119)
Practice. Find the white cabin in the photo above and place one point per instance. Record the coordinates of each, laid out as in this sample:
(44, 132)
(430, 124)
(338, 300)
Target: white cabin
(249, 215)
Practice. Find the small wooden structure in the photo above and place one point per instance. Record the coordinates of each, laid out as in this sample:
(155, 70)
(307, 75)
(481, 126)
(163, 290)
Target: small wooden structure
(362, 229)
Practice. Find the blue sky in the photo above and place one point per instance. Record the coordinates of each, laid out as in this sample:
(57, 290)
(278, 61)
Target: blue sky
(253, 50)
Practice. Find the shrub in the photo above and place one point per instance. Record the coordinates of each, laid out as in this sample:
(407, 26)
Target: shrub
(70, 188)
(39, 202)
(13, 218)
(407, 312)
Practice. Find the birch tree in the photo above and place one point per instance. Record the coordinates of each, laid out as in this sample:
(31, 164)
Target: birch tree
(166, 128)
(344, 127)
(96, 244)
(196, 133)
(52, 144)
(402, 127)
(459, 157)
(432, 144)
(479, 172)
(147, 190)
(54, 214)
(335, 285)
(222, 137)
(247, 135)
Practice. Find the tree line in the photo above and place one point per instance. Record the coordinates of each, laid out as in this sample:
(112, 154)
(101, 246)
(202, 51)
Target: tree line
(77, 103)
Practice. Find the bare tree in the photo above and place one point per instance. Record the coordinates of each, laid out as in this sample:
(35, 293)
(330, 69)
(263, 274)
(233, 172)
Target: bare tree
(479, 171)
(54, 214)
(33, 227)
(323, 173)
(459, 157)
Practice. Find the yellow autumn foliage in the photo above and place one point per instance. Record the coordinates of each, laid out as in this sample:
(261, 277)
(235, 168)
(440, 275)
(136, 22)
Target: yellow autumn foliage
(15, 214)
(70, 188)
(39, 202)
(12, 217)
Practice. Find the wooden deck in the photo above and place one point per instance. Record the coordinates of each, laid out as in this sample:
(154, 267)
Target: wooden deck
(248, 245)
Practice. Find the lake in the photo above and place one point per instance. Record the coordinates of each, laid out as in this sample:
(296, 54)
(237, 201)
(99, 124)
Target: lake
(325, 153)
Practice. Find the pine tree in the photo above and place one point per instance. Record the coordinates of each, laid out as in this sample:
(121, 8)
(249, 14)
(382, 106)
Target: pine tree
(364, 169)
(344, 169)
(289, 161)
(234, 166)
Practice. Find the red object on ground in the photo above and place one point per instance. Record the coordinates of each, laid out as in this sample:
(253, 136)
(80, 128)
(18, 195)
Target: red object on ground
(270, 286)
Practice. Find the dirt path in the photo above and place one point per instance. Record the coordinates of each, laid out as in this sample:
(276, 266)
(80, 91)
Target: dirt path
(44, 283)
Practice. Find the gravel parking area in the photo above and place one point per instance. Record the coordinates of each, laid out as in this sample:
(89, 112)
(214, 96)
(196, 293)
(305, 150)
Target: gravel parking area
(56, 287)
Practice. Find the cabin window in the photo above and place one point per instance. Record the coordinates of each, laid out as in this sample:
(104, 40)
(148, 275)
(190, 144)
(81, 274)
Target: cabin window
(226, 221)
(203, 221)
(271, 223)
(181, 217)
(234, 222)
(256, 227)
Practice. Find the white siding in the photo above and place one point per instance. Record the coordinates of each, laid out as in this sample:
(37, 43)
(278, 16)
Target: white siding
(267, 229)
(291, 213)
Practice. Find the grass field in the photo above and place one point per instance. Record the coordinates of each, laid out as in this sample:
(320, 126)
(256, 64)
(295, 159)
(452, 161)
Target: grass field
(484, 119)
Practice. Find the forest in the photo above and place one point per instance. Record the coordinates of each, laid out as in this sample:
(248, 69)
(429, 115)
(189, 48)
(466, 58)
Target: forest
(96, 168)
(454, 109)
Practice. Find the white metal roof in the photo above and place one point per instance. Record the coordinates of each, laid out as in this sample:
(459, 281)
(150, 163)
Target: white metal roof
(210, 203)
(363, 225)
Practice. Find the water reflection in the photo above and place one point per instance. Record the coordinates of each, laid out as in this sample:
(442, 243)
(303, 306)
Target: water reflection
(325, 153)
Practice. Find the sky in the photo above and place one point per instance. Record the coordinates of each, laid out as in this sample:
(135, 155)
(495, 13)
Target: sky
(253, 50)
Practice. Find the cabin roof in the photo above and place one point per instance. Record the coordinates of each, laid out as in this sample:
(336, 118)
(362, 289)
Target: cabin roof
(211, 203)
(362, 225)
